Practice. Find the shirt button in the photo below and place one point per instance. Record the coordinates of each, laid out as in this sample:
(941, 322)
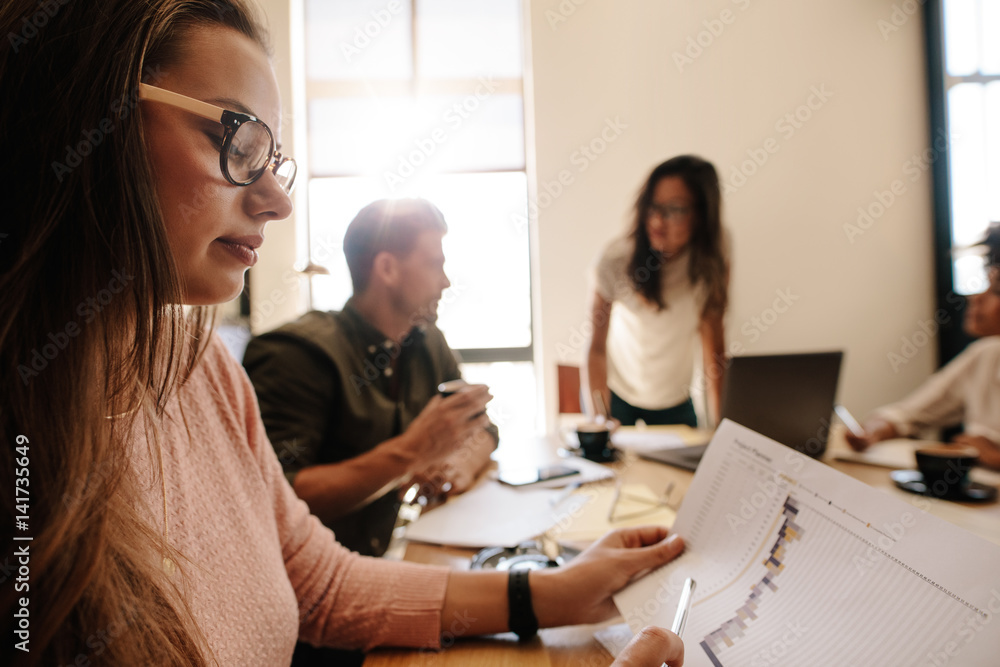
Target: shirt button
(388, 372)
(371, 349)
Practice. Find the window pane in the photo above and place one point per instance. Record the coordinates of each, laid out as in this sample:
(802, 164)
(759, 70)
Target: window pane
(961, 41)
(970, 275)
(469, 38)
(968, 167)
(489, 302)
(988, 37)
(358, 39)
(514, 406)
(488, 261)
(992, 131)
(399, 138)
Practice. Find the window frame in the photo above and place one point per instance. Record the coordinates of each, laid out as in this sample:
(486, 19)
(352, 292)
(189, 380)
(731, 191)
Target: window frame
(952, 339)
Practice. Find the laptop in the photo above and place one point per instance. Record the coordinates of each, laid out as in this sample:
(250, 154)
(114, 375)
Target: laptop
(786, 397)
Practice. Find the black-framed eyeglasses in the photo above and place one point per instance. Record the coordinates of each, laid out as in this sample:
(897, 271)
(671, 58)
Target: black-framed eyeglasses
(248, 148)
(670, 212)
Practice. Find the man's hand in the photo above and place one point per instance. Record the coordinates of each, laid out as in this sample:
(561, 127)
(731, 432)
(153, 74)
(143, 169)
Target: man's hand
(445, 424)
(876, 430)
(581, 591)
(457, 472)
(652, 647)
(989, 451)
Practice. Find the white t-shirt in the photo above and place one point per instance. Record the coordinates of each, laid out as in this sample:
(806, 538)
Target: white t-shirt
(650, 352)
(966, 390)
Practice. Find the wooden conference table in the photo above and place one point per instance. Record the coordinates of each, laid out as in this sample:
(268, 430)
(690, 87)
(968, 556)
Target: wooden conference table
(573, 646)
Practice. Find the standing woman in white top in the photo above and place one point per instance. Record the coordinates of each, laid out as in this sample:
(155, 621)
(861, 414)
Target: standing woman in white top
(656, 292)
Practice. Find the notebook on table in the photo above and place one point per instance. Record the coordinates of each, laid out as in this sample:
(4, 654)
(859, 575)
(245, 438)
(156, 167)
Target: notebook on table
(786, 397)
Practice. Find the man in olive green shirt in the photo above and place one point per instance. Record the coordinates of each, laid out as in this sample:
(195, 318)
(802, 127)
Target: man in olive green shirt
(349, 398)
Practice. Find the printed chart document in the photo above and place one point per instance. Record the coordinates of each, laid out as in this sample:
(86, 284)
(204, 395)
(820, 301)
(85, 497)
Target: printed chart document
(798, 564)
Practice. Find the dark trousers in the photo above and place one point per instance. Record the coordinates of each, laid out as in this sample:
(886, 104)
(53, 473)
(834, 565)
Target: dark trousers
(627, 414)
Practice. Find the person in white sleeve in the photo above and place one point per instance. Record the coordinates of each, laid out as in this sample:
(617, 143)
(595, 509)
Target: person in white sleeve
(966, 391)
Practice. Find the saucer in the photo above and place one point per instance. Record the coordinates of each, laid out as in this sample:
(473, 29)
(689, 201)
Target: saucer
(913, 481)
(610, 454)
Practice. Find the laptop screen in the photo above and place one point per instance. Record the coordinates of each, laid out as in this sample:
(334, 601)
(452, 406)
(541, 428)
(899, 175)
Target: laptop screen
(786, 397)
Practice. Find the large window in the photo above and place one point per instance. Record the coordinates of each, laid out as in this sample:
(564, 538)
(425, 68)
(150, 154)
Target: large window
(964, 68)
(424, 98)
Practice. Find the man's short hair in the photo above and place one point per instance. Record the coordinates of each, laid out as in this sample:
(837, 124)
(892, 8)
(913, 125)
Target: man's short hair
(387, 225)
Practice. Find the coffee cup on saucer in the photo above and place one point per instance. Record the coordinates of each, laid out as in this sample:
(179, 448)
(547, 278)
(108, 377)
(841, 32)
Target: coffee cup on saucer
(943, 472)
(595, 442)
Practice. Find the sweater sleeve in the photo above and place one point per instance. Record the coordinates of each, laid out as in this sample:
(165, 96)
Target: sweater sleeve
(939, 401)
(345, 600)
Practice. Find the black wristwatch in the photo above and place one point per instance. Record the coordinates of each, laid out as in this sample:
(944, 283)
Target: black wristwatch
(521, 616)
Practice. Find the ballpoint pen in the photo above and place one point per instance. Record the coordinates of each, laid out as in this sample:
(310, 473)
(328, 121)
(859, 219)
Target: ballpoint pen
(683, 607)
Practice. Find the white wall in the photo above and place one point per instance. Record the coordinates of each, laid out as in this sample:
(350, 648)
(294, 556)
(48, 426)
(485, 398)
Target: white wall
(615, 60)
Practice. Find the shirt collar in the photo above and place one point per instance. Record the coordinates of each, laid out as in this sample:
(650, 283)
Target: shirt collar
(373, 340)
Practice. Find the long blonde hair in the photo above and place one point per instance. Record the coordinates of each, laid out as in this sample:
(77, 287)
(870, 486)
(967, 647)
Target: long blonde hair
(92, 336)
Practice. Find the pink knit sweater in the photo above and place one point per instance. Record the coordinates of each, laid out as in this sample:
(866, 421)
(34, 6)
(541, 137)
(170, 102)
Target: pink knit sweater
(261, 571)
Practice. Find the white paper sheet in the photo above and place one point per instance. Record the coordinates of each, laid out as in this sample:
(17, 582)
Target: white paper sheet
(798, 564)
(491, 514)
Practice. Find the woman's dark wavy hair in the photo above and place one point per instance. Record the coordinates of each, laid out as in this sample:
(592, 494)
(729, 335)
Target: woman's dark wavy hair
(80, 371)
(708, 264)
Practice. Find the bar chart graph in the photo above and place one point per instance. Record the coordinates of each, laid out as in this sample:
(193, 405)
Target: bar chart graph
(734, 628)
(796, 566)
